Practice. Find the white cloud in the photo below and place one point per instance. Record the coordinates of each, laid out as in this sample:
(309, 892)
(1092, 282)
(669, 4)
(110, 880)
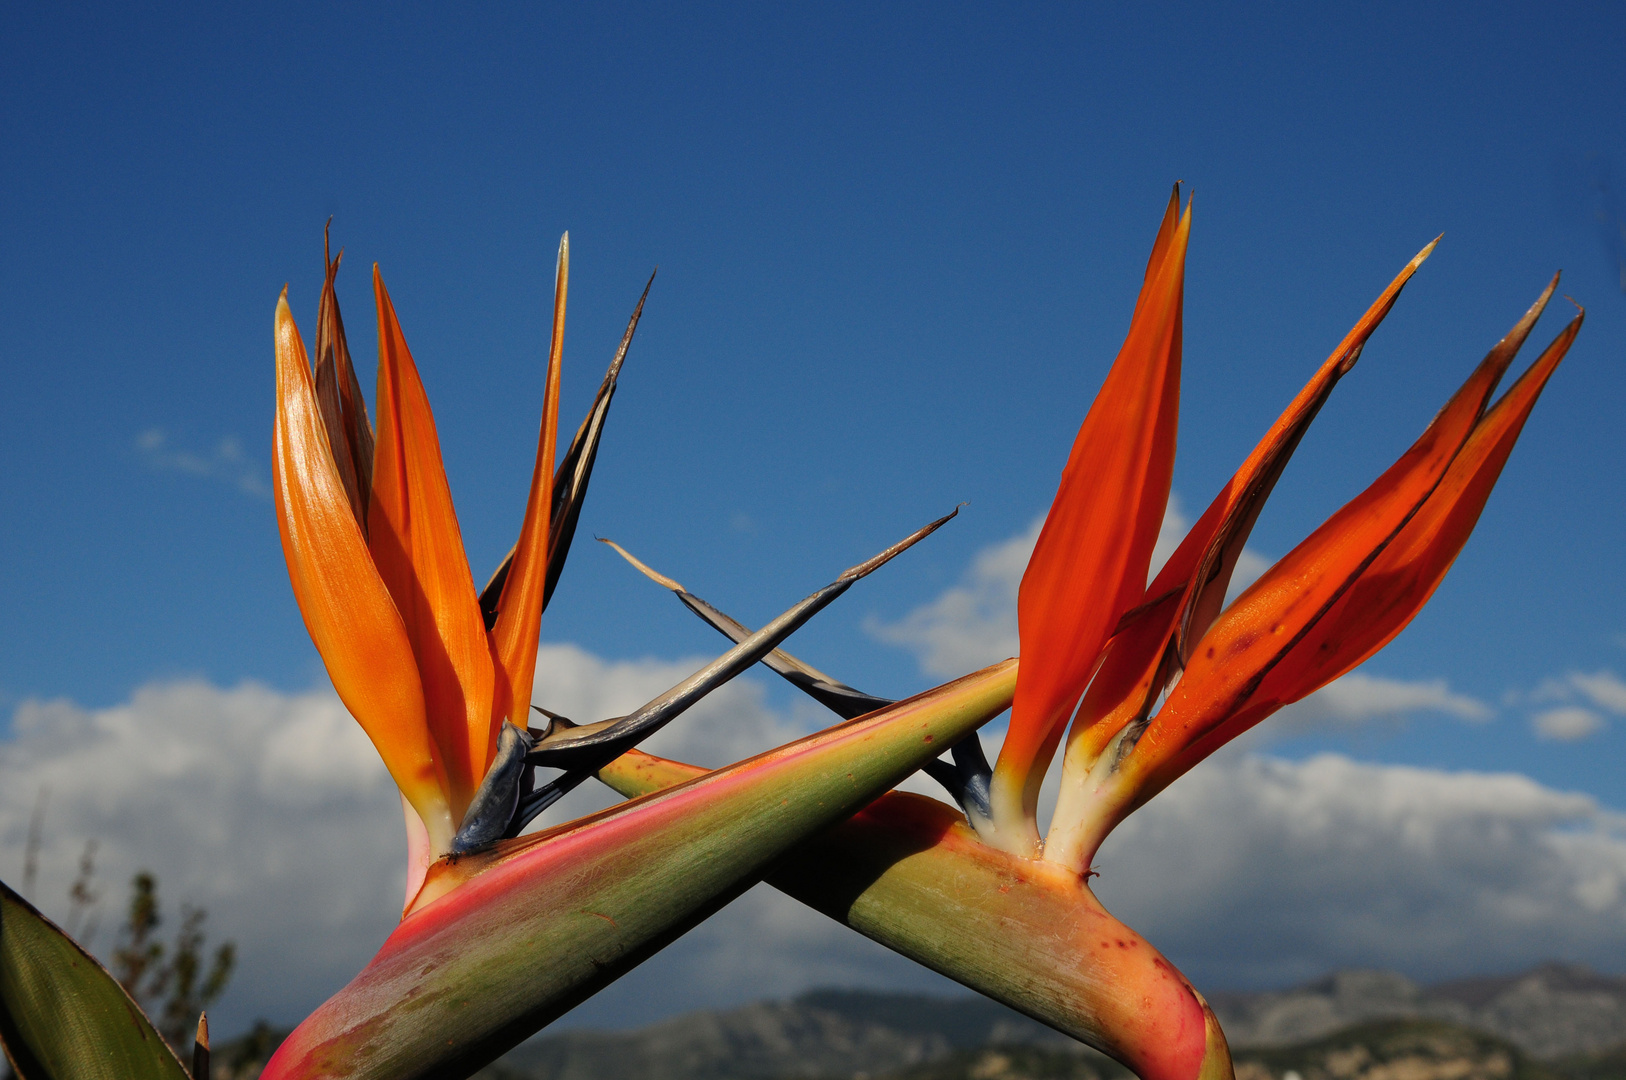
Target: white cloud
(272, 810)
(1359, 698)
(730, 724)
(225, 462)
(1567, 723)
(1249, 565)
(974, 623)
(1603, 689)
(1254, 871)
(1577, 690)
(1169, 534)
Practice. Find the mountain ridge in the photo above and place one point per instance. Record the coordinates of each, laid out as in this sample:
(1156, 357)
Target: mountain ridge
(1550, 1022)
(1548, 1011)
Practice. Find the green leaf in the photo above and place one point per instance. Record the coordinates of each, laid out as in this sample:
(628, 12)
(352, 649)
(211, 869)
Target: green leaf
(62, 1016)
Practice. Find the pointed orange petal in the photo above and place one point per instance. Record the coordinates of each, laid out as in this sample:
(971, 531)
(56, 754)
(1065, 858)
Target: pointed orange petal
(1397, 584)
(519, 611)
(1335, 599)
(1190, 588)
(1258, 475)
(1089, 565)
(1272, 618)
(344, 412)
(1160, 252)
(1402, 578)
(348, 612)
(418, 549)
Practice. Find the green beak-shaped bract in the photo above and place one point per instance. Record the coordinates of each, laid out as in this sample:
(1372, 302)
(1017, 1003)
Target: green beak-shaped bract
(543, 922)
(909, 873)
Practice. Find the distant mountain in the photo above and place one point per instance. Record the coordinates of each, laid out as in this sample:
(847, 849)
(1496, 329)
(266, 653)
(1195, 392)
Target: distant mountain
(1382, 1050)
(825, 1033)
(1392, 1049)
(1549, 1011)
(1553, 1022)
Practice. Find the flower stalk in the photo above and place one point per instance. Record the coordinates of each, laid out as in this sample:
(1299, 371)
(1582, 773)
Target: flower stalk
(909, 873)
(1153, 678)
(511, 939)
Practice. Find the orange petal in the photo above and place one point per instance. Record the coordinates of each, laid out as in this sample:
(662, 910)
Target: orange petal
(1191, 586)
(1089, 565)
(418, 549)
(1402, 578)
(519, 611)
(348, 612)
(1272, 619)
(1160, 252)
(1264, 466)
(344, 412)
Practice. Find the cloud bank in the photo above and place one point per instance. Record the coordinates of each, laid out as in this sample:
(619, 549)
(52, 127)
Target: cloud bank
(1253, 871)
(973, 624)
(272, 810)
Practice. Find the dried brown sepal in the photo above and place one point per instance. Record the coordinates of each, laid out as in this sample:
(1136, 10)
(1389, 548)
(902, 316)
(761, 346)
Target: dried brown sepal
(570, 479)
(832, 693)
(338, 395)
(585, 747)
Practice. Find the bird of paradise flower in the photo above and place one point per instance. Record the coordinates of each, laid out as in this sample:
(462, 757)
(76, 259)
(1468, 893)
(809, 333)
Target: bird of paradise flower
(1153, 678)
(440, 677)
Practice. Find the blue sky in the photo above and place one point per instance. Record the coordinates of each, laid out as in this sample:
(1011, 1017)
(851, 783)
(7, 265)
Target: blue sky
(898, 248)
